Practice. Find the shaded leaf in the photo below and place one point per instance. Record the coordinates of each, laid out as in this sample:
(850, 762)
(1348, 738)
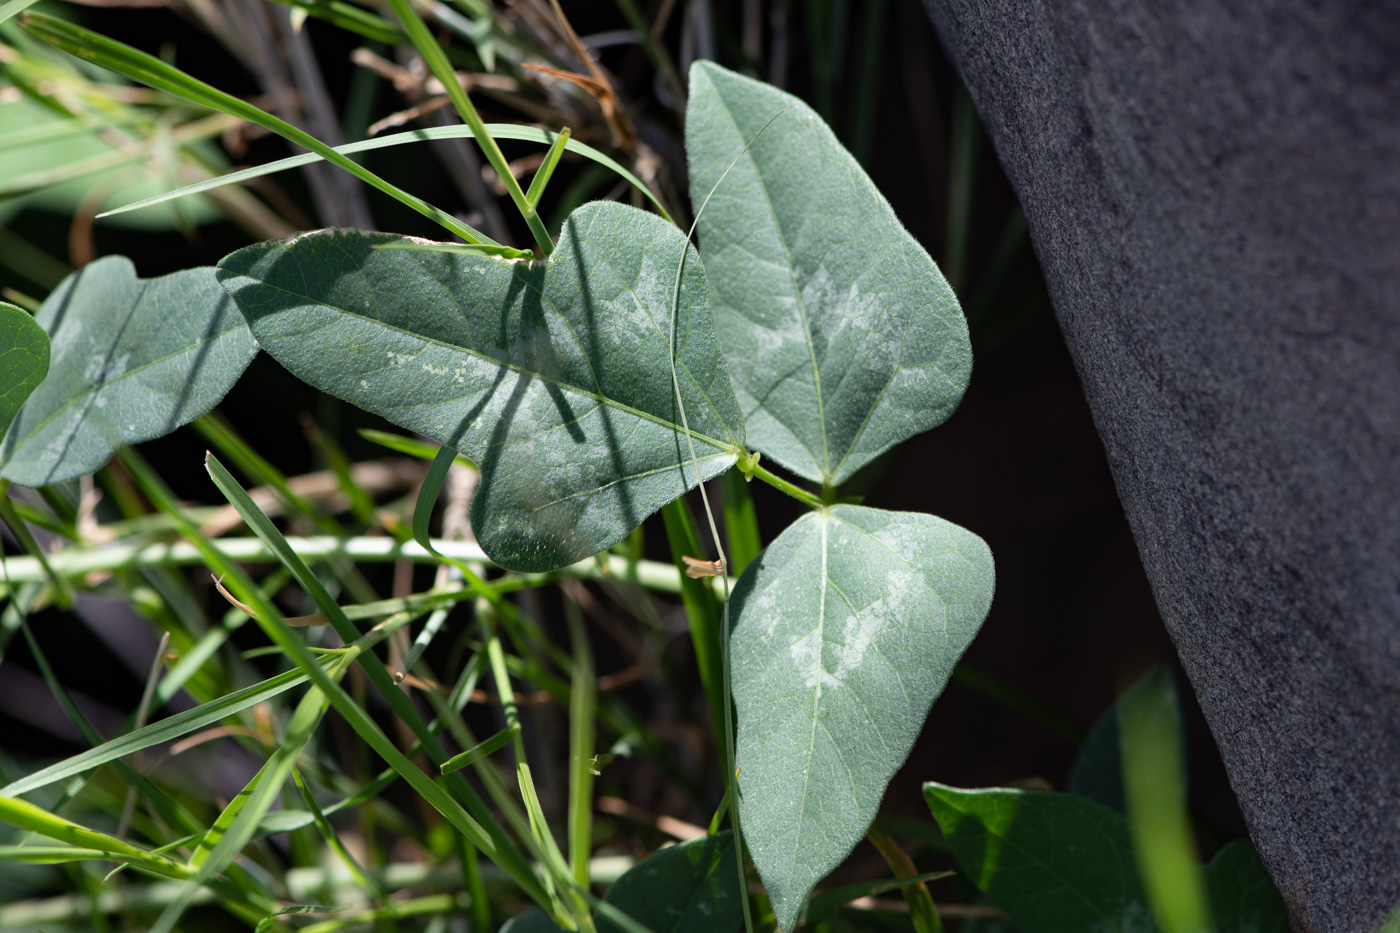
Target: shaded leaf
(132, 359)
(688, 888)
(692, 887)
(1054, 862)
(842, 335)
(1243, 898)
(1097, 770)
(24, 360)
(554, 377)
(847, 629)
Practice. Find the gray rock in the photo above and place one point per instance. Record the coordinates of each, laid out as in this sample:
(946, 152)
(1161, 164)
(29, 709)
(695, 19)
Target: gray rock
(1213, 189)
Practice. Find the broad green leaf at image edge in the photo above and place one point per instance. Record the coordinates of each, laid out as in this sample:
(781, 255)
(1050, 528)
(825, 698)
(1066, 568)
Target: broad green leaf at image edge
(24, 360)
(132, 359)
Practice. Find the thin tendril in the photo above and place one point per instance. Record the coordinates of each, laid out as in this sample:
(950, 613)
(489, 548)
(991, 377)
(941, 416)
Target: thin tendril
(730, 779)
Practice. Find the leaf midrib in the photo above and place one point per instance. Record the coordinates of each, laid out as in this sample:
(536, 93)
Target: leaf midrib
(477, 354)
(796, 292)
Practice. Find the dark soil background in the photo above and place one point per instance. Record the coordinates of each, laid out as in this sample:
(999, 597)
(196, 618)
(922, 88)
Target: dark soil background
(1019, 463)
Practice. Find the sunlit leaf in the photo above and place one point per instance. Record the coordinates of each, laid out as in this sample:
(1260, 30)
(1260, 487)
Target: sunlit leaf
(554, 377)
(848, 627)
(842, 335)
(132, 359)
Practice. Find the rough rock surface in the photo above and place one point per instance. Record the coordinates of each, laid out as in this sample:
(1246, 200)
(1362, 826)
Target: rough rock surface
(1213, 189)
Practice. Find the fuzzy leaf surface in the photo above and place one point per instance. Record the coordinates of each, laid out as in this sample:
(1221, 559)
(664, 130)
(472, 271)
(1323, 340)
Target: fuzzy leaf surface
(847, 628)
(132, 359)
(1055, 863)
(24, 360)
(842, 335)
(554, 377)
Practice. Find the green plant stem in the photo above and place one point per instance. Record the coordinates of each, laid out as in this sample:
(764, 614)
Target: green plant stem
(75, 563)
(583, 701)
(437, 62)
(797, 492)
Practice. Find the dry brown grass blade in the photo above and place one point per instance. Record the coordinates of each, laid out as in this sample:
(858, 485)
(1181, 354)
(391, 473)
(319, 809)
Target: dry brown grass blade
(302, 621)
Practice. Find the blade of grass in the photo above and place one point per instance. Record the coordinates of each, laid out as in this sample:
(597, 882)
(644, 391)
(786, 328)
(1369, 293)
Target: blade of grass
(36, 819)
(366, 881)
(583, 724)
(490, 840)
(546, 169)
(1154, 790)
(499, 130)
(14, 8)
(480, 750)
(63, 590)
(740, 522)
(921, 910)
(442, 69)
(702, 610)
(151, 71)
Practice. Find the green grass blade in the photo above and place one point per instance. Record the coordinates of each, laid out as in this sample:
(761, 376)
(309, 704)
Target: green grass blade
(1154, 789)
(14, 8)
(423, 450)
(491, 840)
(442, 69)
(740, 522)
(63, 590)
(480, 750)
(499, 130)
(36, 819)
(702, 610)
(151, 71)
(583, 726)
(546, 169)
(164, 731)
(332, 838)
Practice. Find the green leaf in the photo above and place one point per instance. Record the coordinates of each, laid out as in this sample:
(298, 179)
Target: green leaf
(24, 360)
(133, 359)
(1243, 898)
(687, 888)
(1054, 862)
(847, 628)
(1097, 771)
(554, 377)
(843, 335)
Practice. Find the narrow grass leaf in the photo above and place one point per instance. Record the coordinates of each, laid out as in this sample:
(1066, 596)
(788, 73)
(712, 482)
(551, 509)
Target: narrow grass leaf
(554, 377)
(491, 840)
(133, 359)
(499, 130)
(28, 816)
(1154, 787)
(847, 628)
(167, 730)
